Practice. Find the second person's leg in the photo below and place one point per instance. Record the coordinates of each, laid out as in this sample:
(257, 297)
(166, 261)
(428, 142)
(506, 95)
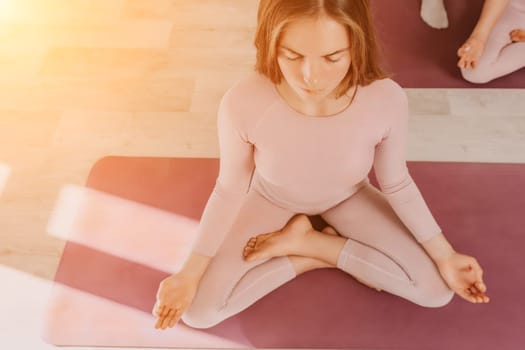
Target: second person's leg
(500, 56)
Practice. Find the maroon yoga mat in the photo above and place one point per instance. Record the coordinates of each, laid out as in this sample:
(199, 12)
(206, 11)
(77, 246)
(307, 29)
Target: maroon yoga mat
(100, 298)
(423, 57)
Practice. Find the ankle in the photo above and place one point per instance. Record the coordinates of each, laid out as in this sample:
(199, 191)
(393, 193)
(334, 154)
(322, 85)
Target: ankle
(323, 247)
(303, 264)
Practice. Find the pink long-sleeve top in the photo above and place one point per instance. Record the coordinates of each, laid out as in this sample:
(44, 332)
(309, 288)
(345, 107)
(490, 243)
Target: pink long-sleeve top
(519, 4)
(309, 164)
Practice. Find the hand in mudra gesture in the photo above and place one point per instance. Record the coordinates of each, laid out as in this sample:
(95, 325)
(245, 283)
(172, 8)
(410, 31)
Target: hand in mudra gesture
(463, 275)
(470, 52)
(174, 296)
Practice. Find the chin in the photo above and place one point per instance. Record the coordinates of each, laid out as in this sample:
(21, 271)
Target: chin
(312, 94)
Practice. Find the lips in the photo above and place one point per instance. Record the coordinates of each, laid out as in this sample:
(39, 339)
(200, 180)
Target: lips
(311, 91)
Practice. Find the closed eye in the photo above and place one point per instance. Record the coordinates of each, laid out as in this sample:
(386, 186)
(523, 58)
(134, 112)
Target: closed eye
(299, 57)
(331, 60)
(293, 59)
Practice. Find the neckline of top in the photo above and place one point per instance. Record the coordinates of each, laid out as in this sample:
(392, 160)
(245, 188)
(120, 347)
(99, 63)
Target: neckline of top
(336, 115)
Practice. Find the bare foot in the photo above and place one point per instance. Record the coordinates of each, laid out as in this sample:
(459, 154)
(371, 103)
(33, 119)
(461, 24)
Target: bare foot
(517, 35)
(434, 14)
(285, 242)
(306, 263)
(281, 242)
(330, 230)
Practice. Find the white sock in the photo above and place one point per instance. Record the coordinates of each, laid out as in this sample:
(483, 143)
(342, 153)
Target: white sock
(434, 14)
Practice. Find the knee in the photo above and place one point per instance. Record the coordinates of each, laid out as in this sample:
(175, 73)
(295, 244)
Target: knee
(201, 318)
(434, 297)
(205, 311)
(478, 75)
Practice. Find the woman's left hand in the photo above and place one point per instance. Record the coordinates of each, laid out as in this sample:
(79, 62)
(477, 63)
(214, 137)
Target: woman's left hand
(470, 52)
(463, 275)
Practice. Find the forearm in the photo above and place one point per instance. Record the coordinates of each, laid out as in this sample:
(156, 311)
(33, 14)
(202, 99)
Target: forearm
(491, 12)
(438, 247)
(195, 266)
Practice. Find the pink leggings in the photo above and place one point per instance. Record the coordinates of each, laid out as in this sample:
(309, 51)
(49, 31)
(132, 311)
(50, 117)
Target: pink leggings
(501, 56)
(379, 251)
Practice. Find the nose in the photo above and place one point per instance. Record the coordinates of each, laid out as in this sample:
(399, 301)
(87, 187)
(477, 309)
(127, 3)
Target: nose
(311, 73)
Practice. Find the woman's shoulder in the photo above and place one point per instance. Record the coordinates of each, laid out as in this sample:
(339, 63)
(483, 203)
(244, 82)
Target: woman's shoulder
(387, 95)
(246, 101)
(388, 99)
(251, 90)
(388, 88)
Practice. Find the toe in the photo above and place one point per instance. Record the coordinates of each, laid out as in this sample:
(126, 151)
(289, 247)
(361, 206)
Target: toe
(263, 237)
(261, 251)
(247, 255)
(247, 250)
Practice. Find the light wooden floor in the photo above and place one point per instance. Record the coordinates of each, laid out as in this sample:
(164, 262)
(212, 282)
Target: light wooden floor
(82, 79)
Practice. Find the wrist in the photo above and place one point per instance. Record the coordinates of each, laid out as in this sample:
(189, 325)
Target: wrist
(479, 35)
(195, 266)
(442, 259)
(190, 276)
(438, 248)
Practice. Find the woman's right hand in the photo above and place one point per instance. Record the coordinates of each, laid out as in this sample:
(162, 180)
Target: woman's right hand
(470, 52)
(174, 296)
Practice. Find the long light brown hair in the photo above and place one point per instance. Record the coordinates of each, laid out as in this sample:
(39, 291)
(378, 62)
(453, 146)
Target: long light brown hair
(274, 15)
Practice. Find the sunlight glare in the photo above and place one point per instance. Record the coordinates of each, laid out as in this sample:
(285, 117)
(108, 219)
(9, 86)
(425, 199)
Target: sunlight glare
(7, 9)
(122, 227)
